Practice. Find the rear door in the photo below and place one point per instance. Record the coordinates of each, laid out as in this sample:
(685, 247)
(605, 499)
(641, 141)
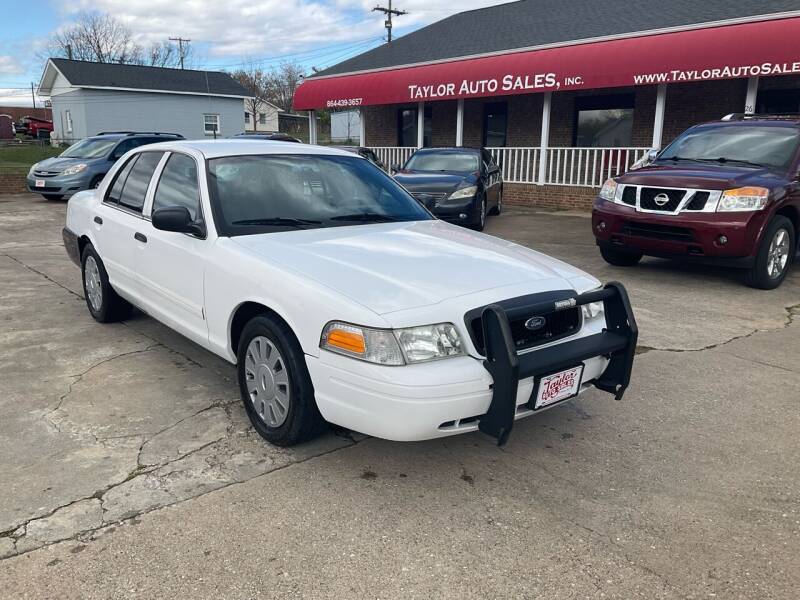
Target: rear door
(171, 265)
(119, 216)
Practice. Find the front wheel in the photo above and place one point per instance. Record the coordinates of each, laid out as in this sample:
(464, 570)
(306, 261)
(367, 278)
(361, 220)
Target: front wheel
(775, 254)
(274, 383)
(480, 216)
(620, 258)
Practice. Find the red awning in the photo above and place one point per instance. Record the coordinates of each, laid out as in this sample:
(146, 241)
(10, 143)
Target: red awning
(726, 52)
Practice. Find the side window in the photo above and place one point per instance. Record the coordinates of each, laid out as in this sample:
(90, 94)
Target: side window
(178, 185)
(122, 148)
(115, 191)
(135, 188)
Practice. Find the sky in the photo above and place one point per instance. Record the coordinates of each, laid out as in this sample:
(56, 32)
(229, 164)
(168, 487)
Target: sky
(225, 34)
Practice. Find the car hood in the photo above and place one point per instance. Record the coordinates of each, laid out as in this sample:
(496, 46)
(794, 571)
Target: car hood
(390, 267)
(58, 164)
(433, 183)
(695, 175)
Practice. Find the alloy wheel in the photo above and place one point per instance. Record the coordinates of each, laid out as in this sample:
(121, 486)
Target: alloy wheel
(91, 280)
(778, 255)
(267, 381)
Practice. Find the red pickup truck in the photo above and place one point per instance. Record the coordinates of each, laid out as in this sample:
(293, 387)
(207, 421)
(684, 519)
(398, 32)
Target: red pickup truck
(726, 192)
(35, 127)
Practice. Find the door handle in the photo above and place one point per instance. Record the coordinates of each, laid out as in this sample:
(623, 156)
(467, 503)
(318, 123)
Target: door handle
(140, 237)
(98, 220)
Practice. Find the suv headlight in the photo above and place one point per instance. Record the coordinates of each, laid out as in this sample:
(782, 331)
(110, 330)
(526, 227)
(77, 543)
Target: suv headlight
(465, 192)
(33, 168)
(592, 310)
(609, 190)
(743, 199)
(74, 169)
(392, 346)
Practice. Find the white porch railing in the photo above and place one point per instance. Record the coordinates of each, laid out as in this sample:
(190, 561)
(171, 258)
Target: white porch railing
(393, 155)
(586, 167)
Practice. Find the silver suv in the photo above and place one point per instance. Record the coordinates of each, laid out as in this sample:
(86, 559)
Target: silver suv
(83, 165)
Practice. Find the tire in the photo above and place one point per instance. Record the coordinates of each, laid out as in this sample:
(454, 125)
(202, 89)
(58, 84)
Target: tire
(95, 183)
(107, 306)
(52, 196)
(276, 389)
(498, 208)
(620, 258)
(775, 255)
(480, 215)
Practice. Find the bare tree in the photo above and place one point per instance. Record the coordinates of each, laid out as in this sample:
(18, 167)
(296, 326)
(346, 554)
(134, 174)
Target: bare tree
(282, 83)
(98, 37)
(256, 81)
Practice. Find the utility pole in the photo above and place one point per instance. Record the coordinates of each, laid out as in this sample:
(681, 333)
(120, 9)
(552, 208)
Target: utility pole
(180, 41)
(389, 12)
(33, 96)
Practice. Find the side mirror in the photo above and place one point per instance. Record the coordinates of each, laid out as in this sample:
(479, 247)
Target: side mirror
(652, 154)
(177, 219)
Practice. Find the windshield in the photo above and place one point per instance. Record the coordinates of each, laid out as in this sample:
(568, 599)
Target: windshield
(766, 146)
(277, 192)
(89, 148)
(462, 162)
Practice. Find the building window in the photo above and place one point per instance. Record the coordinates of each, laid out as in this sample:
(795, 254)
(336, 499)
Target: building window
(262, 118)
(407, 127)
(495, 123)
(211, 124)
(247, 117)
(68, 120)
(777, 102)
(604, 121)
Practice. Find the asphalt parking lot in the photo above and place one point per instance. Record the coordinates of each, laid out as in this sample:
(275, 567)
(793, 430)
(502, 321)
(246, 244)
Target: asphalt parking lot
(128, 467)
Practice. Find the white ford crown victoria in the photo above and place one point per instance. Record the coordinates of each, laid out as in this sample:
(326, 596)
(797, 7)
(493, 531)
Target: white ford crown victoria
(338, 296)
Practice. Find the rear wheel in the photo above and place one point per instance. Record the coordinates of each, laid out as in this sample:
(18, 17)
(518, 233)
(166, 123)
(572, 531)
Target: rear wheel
(620, 258)
(274, 383)
(102, 301)
(498, 208)
(775, 254)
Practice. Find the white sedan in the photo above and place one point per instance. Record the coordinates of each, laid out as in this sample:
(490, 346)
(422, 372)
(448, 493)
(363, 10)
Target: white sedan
(339, 297)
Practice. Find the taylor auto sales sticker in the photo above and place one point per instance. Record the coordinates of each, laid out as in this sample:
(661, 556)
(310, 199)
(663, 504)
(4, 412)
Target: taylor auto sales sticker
(558, 386)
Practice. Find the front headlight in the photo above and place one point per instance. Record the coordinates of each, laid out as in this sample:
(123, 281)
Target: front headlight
(33, 168)
(74, 169)
(465, 192)
(392, 346)
(743, 199)
(592, 310)
(609, 190)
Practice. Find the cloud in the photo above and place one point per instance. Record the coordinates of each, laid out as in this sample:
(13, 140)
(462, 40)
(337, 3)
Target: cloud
(18, 97)
(239, 29)
(9, 65)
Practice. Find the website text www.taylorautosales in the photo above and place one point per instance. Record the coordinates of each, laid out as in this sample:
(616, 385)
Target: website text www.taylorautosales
(719, 73)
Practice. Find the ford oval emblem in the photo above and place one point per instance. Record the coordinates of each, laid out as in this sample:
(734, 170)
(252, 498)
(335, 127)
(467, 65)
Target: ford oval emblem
(535, 323)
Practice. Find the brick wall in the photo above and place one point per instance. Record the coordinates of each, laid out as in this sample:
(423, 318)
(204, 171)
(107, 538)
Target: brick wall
(559, 197)
(380, 123)
(12, 184)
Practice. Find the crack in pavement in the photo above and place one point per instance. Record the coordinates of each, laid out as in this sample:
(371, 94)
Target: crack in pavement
(38, 272)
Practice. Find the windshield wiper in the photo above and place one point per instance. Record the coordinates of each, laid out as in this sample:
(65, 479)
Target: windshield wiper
(299, 223)
(720, 160)
(365, 217)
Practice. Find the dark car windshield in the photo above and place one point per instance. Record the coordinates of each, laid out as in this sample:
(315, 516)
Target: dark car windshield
(766, 145)
(89, 148)
(258, 193)
(460, 162)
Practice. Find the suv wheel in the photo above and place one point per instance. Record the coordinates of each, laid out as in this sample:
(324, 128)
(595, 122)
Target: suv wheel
(275, 386)
(480, 215)
(102, 301)
(620, 258)
(775, 254)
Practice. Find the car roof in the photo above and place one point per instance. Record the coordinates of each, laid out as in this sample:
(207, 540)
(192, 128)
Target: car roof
(450, 150)
(752, 122)
(239, 147)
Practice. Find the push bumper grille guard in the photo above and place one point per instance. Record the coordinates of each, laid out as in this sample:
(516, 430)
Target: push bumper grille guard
(617, 341)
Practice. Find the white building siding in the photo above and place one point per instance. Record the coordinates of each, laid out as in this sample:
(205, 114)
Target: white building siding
(93, 111)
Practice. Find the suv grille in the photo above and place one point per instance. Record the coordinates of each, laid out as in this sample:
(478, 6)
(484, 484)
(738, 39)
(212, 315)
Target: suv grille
(559, 324)
(698, 201)
(657, 232)
(648, 199)
(629, 195)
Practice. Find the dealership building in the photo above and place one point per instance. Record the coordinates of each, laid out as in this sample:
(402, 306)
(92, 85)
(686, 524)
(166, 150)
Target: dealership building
(566, 93)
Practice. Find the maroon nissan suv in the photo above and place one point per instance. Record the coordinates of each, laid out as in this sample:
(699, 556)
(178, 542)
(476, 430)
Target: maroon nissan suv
(726, 192)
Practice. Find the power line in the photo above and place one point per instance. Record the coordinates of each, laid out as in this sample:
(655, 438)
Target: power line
(180, 41)
(389, 12)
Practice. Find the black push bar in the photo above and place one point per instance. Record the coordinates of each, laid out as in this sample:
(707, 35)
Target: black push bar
(617, 341)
